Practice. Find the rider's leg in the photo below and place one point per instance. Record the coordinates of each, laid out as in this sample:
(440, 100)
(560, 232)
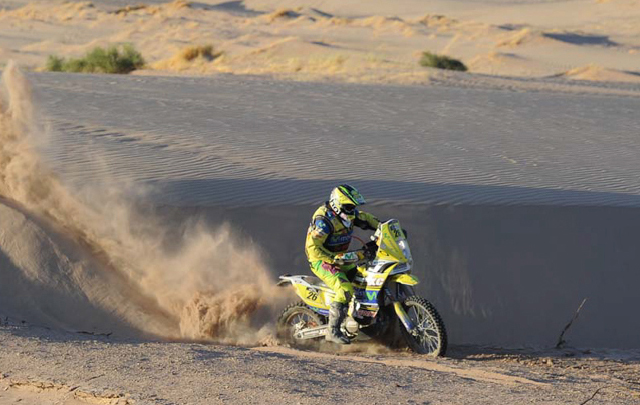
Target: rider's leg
(337, 312)
(335, 279)
(350, 271)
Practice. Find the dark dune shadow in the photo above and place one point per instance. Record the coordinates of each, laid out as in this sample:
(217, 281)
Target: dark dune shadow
(580, 39)
(277, 191)
(321, 13)
(512, 27)
(320, 43)
(501, 273)
(231, 7)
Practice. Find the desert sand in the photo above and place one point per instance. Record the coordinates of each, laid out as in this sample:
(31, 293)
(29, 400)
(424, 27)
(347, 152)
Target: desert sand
(376, 42)
(144, 218)
(45, 367)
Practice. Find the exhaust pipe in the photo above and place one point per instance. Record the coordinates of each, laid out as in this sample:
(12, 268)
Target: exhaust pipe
(311, 333)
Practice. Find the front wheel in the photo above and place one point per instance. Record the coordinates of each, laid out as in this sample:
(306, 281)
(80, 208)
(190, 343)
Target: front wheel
(429, 335)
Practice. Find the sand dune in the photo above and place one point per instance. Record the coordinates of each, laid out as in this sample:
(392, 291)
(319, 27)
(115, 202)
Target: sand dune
(222, 144)
(239, 134)
(501, 207)
(290, 39)
(596, 73)
(138, 208)
(524, 36)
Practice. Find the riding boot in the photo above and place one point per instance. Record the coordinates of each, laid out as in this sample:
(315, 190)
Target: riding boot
(337, 312)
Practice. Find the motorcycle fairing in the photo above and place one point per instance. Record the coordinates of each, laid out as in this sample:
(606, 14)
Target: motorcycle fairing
(407, 279)
(392, 244)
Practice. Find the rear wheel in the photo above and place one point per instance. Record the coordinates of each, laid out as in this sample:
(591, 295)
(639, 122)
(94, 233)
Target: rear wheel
(295, 317)
(429, 335)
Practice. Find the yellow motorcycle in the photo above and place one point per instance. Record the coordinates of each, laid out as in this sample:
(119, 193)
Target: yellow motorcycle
(383, 286)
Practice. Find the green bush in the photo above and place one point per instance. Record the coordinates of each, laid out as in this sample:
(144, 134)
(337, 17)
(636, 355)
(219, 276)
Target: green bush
(54, 64)
(441, 62)
(123, 59)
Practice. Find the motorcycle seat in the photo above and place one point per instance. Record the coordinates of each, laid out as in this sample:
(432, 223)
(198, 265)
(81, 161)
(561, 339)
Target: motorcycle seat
(316, 281)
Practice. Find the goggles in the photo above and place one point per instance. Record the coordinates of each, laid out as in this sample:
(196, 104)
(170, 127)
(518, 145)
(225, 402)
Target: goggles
(348, 208)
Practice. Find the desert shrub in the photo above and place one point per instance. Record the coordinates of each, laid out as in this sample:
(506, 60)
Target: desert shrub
(429, 59)
(54, 63)
(128, 9)
(123, 59)
(202, 51)
(283, 13)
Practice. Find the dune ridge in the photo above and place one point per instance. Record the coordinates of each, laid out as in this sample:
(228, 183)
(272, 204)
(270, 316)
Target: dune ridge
(594, 72)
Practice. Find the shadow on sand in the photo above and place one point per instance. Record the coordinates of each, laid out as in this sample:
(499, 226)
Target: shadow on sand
(505, 266)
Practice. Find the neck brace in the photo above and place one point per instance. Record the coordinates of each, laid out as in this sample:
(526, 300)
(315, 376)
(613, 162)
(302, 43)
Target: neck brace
(344, 218)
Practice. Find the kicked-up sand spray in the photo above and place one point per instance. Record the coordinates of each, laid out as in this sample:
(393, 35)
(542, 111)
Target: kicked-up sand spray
(94, 259)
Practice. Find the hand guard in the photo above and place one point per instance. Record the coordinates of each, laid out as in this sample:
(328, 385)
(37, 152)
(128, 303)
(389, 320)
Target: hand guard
(348, 257)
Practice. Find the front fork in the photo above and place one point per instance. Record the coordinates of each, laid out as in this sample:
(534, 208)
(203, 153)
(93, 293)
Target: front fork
(402, 314)
(398, 297)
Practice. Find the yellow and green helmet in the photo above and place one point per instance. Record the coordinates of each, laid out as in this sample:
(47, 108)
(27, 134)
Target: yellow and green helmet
(345, 199)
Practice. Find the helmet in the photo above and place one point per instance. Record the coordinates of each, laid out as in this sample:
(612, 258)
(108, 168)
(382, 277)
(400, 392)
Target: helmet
(343, 201)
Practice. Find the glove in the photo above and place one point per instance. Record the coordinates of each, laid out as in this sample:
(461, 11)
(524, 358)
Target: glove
(346, 257)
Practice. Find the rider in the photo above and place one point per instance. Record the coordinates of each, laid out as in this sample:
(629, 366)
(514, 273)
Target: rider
(326, 247)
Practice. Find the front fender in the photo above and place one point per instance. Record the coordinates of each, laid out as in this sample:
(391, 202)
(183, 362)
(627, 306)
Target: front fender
(407, 279)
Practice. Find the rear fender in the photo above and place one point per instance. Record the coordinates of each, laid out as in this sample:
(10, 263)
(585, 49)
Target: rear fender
(318, 297)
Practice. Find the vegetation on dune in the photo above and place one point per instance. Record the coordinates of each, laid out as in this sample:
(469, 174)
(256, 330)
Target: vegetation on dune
(128, 9)
(283, 13)
(114, 59)
(192, 58)
(199, 51)
(54, 63)
(429, 59)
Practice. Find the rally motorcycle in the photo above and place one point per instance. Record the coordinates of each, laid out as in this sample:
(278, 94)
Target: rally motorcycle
(384, 294)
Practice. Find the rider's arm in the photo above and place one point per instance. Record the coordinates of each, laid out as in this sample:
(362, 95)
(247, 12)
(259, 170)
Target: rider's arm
(318, 233)
(366, 221)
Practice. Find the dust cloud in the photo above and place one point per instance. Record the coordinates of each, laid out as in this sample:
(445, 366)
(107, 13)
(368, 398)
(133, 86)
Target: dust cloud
(204, 287)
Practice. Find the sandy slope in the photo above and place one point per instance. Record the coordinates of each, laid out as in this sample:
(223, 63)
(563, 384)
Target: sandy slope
(503, 210)
(356, 41)
(224, 140)
(48, 279)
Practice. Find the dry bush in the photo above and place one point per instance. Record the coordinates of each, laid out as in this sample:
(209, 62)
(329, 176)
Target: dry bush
(283, 13)
(128, 9)
(199, 51)
(429, 59)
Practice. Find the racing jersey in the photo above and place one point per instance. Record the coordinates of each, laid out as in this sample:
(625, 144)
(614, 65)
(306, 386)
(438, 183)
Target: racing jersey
(328, 236)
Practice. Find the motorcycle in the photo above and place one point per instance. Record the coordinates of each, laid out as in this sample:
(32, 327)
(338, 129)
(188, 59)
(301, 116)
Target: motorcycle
(383, 286)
